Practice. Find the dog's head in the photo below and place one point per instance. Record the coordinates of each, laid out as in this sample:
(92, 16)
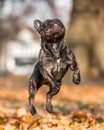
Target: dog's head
(50, 30)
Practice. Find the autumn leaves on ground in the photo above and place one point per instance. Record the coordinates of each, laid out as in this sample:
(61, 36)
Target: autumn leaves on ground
(76, 108)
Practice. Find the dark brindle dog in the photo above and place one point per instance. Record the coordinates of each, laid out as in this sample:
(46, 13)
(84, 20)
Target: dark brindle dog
(55, 58)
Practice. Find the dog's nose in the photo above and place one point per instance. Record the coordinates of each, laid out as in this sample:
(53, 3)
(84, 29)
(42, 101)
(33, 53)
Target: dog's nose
(56, 26)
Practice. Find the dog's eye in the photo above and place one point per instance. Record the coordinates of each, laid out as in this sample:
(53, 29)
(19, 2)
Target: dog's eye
(42, 27)
(47, 29)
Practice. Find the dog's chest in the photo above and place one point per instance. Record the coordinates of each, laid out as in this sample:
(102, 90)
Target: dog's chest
(58, 67)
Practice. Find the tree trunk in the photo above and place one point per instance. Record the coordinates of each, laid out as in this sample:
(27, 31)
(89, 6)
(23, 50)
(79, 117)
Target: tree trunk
(86, 37)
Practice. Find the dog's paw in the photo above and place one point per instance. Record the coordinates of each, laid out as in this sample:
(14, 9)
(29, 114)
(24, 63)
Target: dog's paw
(76, 77)
(33, 110)
(49, 107)
(56, 89)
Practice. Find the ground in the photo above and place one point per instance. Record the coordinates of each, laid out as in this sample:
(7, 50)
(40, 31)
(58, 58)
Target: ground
(78, 107)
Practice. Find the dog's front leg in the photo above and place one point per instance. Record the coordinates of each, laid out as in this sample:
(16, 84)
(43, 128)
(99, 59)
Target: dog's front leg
(54, 89)
(74, 67)
(76, 72)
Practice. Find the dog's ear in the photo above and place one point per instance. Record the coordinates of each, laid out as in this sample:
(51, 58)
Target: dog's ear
(37, 24)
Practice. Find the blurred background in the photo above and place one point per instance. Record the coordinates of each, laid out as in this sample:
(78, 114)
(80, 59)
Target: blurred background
(20, 43)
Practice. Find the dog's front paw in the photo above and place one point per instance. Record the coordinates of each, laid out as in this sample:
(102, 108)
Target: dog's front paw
(33, 110)
(55, 89)
(76, 77)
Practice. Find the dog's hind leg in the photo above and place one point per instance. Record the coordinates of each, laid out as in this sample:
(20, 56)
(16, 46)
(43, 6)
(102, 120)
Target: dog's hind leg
(52, 92)
(33, 87)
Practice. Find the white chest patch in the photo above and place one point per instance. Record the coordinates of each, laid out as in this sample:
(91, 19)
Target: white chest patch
(58, 64)
(58, 61)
